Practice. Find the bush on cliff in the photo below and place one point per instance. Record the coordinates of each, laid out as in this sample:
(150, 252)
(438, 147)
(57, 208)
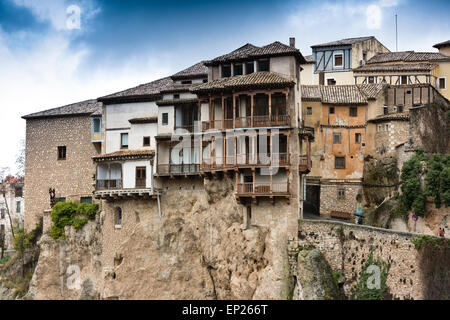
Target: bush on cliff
(70, 214)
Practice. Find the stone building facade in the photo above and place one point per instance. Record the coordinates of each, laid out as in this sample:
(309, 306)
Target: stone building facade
(58, 154)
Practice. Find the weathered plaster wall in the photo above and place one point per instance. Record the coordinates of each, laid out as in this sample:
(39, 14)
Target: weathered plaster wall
(347, 247)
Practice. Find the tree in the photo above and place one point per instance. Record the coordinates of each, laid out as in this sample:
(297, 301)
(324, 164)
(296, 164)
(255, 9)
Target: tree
(3, 186)
(20, 160)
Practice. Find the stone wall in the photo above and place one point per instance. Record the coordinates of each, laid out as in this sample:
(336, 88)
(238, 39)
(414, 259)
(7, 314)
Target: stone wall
(72, 178)
(347, 247)
(330, 201)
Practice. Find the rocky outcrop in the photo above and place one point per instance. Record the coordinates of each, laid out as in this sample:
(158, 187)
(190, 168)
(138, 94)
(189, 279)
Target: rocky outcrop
(314, 277)
(197, 249)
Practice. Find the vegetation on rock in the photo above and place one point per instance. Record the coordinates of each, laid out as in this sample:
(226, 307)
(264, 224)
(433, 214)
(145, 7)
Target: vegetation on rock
(70, 214)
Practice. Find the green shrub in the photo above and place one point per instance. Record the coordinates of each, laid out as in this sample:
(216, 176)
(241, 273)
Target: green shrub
(68, 214)
(5, 259)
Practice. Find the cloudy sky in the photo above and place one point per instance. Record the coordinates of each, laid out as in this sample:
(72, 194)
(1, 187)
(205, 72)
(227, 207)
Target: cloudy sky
(49, 57)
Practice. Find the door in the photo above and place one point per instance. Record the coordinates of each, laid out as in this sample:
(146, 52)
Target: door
(141, 176)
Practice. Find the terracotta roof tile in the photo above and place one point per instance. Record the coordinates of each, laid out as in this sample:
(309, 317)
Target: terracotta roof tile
(309, 59)
(253, 80)
(172, 102)
(407, 56)
(370, 90)
(198, 70)
(404, 116)
(404, 67)
(88, 107)
(311, 93)
(348, 41)
(442, 44)
(341, 94)
(150, 119)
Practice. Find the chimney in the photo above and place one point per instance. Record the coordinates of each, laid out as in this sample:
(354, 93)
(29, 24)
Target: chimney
(292, 42)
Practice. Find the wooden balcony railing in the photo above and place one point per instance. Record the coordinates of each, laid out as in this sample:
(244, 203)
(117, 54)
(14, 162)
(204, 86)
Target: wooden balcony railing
(304, 164)
(108, 184)
(246, 122)
(262, 188)
(191, 168)
(275, 159)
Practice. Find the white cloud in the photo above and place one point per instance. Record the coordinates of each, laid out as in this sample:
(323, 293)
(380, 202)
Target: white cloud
(374, 16)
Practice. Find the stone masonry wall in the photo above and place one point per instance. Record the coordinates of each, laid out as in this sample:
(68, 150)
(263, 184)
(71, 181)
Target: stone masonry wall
(329, 200)
(347, 247)
(71, 178)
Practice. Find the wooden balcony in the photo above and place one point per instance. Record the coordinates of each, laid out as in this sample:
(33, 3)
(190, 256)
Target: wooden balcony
(188, 127)
(108, 184)
(304, 164)
(248, 122)
(262, 189)
(177, 169)
(119, 194)
(245, 161)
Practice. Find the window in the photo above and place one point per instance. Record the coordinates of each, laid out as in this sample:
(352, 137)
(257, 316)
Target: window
(379, 127)
(353, 111)
(146, 142)
(308, 110)
(249, 67)
(18, 205)
(400, 108)
(404, 80)
(336, 137)
(176, 96)
(371, 80)
(339, 162)
(186, 82)
(2, 229)
(141, 174)
(263, 65)
(226, 71)
(357, 137)
(118, 217)
(97, 125)
(18, 192)
(341, 194)
(441, 83)
(364, 56)
(331, 82)
(205, 80)
(385, 110)
(86, 200)
(387, 127)
(62, 153)
(2, 213)
(165, 119)
(331, 110)
(124, 140)
(62, 199)
(238, 70)
(338, 60)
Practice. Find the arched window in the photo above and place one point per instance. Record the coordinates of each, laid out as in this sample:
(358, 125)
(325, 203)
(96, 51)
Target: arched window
(118, 216)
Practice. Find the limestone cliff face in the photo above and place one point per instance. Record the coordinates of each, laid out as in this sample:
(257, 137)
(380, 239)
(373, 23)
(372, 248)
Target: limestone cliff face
(198, 249)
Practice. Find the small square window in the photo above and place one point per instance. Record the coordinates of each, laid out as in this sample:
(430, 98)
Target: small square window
(62, 199)
(205, 80)
(18, 205)
(238, 69)
(400, 108)
(165, 119)
(404, 80)
(308, 110)
(385, 110)
(2, 213)
(263, 65)
(338, 60)
(186, 82)
(353, 111)
(336, 137)
(86, 200)
(62, 150)
(341, 194)
(226, 71)
(339, 162)
(176, 96)
(249, 67)
(124, 140)
(331, 82)
(331, 110)
(146, 142)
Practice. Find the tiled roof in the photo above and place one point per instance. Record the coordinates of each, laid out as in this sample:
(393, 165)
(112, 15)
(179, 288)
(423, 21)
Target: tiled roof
(396, 67)
(249, 50)
(442, 44)
(340, 94)
(128, 154)
(198, 70)
(407, 56)
(403, 116)
(172, 102)
(144, 90)
(309, 59)
(311, 93)
(249, 81)
(343, 42)
(88, 107)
